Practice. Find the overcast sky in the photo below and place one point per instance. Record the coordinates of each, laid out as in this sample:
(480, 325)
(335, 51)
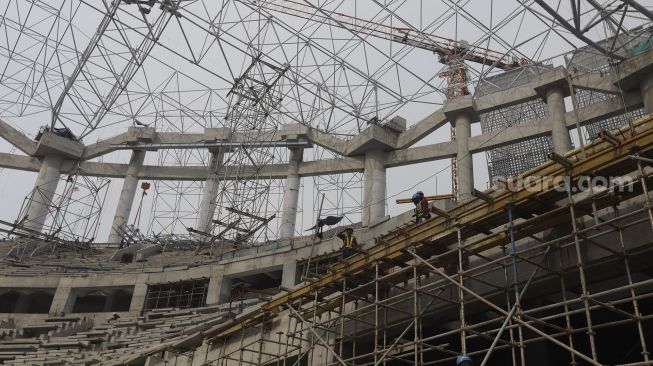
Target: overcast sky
(336, 78)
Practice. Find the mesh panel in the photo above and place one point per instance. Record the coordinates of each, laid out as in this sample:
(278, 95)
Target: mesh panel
(510, 160)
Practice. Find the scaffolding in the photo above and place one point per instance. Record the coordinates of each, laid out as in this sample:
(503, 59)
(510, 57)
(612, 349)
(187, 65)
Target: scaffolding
(343, 193)
(180, 295)
(71, 222)
(539, 272)
(585, 60)
(248, 206)
(176, 203)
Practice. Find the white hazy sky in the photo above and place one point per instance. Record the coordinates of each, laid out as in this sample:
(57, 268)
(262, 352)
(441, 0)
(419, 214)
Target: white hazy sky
(176, 94)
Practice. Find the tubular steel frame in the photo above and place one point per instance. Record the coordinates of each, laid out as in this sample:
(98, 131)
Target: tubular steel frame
(479, 294)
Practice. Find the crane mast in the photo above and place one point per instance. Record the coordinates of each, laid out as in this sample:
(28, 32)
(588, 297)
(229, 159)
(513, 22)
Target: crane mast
(450, 52)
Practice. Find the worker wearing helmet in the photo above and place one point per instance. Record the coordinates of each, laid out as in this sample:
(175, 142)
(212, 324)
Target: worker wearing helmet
(463, 360)
(349, 243)
(421, 207)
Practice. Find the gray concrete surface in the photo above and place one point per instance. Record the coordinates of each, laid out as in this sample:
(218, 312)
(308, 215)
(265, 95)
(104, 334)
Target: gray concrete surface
(127, 194)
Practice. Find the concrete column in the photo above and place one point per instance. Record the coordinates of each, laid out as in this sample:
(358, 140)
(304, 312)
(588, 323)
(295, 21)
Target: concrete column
(219, 291)
(464, 163)
(44, 190)
(646, 88)
(62, 302)
(374, 187)
(555, 102)
(139, 295)
(126, 200)
(224, 291)
(291, 194)
(207, 205)
(289, 274)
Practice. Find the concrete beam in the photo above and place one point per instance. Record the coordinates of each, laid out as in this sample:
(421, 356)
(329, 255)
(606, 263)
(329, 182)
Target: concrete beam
(102, 147)
(633, 70)
(328, 141)
(19, 162)
(491, 102)
(604, 83)
(16, 138)
(590, 114)
(422, 129)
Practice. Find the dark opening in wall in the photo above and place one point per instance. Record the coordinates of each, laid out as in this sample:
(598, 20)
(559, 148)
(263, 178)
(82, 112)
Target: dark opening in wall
(26, 301)
(90, 303)
(122, 301)
(40, 302)
(256, 285)
(102, 299)
(8, 301)
(182, 294)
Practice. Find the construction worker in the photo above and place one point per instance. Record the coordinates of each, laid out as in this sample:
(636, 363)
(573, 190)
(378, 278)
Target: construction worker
(463, 360)
(349, 243)
(421, 207)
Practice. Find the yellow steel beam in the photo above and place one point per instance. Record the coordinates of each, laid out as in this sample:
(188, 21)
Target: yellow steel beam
(437, 197)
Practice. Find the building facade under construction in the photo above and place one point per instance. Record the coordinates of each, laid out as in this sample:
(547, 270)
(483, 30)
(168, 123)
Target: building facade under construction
(167, 241)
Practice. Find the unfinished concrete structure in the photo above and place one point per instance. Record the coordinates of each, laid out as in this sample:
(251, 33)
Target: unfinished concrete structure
(548, 266)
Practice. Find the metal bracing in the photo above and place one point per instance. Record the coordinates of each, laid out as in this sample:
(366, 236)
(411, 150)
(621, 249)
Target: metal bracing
(71, 219)
(98, 67)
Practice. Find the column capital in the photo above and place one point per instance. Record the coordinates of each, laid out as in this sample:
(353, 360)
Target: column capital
(461, 105)
(550, 80)
(50, 143)
(221, 134)
(294, 132)
(140, 134)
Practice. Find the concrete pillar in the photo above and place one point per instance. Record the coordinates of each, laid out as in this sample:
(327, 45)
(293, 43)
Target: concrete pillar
(464, 163)
(62, 302)
(44, 190)
(210, 192)
(291, 194)
(646, 88)
(126, 200)
(224, 291)
(289, 274)
(374, 187)
(219, 291)
(555, 102)
(138, 296)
